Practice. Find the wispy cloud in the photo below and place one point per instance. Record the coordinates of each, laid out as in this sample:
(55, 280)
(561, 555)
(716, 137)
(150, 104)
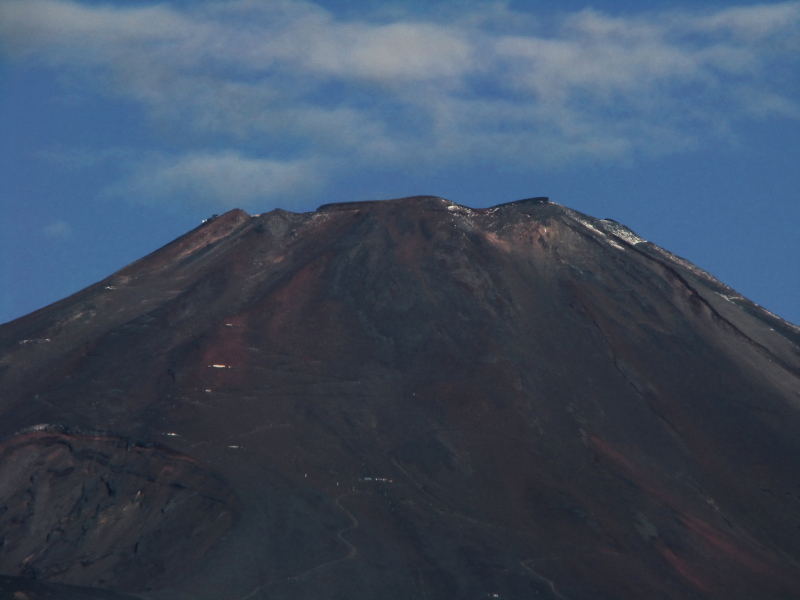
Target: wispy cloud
(227, 179)
(301, 89)
(59, 230)
(80, 158)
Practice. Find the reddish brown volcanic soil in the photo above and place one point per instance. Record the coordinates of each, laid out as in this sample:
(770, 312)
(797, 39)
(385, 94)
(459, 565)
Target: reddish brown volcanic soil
(406, 399)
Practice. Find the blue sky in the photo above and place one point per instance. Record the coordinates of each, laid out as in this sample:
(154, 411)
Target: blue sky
(124, 124)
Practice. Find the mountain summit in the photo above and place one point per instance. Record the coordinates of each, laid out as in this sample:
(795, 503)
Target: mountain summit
(404, 399)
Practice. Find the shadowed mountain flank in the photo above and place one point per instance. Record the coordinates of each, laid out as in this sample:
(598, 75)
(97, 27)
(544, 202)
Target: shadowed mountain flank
(404, 399)
(97, 509)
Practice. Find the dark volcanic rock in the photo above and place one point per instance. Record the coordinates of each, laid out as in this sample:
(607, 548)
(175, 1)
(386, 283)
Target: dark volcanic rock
(406, 399)
(92, 508)
(25, 588)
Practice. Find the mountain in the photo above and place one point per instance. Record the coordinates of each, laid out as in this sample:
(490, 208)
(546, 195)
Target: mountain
(405, 399)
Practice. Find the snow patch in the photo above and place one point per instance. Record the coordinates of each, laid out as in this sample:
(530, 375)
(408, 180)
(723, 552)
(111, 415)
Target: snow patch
(460, 210)
(622, 232)
(609, 230)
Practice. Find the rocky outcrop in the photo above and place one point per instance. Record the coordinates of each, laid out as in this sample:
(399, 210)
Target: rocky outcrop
(102, 510)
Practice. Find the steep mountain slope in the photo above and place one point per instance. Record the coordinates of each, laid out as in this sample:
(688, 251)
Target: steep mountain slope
(403, 399)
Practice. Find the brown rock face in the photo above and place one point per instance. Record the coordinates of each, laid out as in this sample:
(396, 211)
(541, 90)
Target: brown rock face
(403, 399)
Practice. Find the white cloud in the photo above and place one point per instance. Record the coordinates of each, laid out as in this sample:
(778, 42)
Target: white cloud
(397, 54)
(751, 23)
(289, 79)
